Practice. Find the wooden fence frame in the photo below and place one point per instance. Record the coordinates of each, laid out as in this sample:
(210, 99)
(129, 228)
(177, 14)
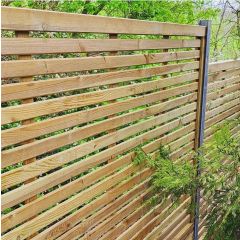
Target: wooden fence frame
(55, 21)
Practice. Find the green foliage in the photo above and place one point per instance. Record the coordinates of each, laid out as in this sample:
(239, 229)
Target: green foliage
(173, 178)
(220, 180)
(225, 28)
(219, 159)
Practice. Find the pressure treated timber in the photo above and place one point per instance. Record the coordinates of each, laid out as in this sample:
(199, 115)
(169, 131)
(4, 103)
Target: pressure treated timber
(160, 228)
(104, 226)
(223, 100)
(141, 221)
(19, 134)
(22, 46)
(224, 83)
(51, 86)
(18, 175)
(181, 231)
(31, 110)
(221, 116)
(222, 92)
(15, 155)
(81, 194)
(222, 108)
(24, 68)
(129, 233)
(223, 74)
(56, 212)
(39, 20)
(128, 221)
(22, 213)
(224, 65)
(150, 225)
(103, 213)
(25, 212)
(173, 224)
(17, 195)
(167, 138)
(96, 128)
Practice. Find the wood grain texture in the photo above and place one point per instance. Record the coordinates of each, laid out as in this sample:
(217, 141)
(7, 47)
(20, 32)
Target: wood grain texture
(12, 136)
(44, 87)
(56, 212)
(31, 110)
(17, 195)
(83, 149)
(24, 68)
(19, 134)
(17, 176)
(104, 213)
(21, 153)
(39, 20)
(224, 65)
(22, 46)
(87, 184)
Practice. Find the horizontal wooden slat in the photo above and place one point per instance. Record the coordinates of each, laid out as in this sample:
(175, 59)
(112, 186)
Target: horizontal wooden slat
(39, 20)
(150, 226)
(220, 117)
(222, 92)
(30, 227)
(25, 90)
(37, 129)
(208, 132)
(222, 108)
(223, 74)
(224, 65)
(17, 135)
(27, 46)
(56, 160)
(25, 152)
(159, 229)
(23, 68)
(110, 222)
(104, 213)
(79, 229)
(58, 228)
(76, 217)
(182, 230)
(40, 204)
(157, 210)
(18, 175)
(215, 86)
(31, 110)
(126, 222)
(12, 136)
(67, 191)
(222, 100)
(24, 192)
(172, 226)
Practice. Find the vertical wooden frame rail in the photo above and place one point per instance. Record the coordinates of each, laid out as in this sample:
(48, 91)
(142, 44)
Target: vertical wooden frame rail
(201, 110)
(25, 34)
(112, 53)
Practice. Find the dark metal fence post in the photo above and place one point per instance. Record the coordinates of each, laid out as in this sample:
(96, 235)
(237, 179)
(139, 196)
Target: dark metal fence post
(202, 110)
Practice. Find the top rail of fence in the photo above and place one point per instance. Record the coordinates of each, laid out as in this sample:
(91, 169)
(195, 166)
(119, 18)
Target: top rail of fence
(224, 65)
(50, 21)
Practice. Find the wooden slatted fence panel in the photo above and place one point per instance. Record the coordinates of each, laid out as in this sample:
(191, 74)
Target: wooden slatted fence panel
(223, 103)
(78, 123)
